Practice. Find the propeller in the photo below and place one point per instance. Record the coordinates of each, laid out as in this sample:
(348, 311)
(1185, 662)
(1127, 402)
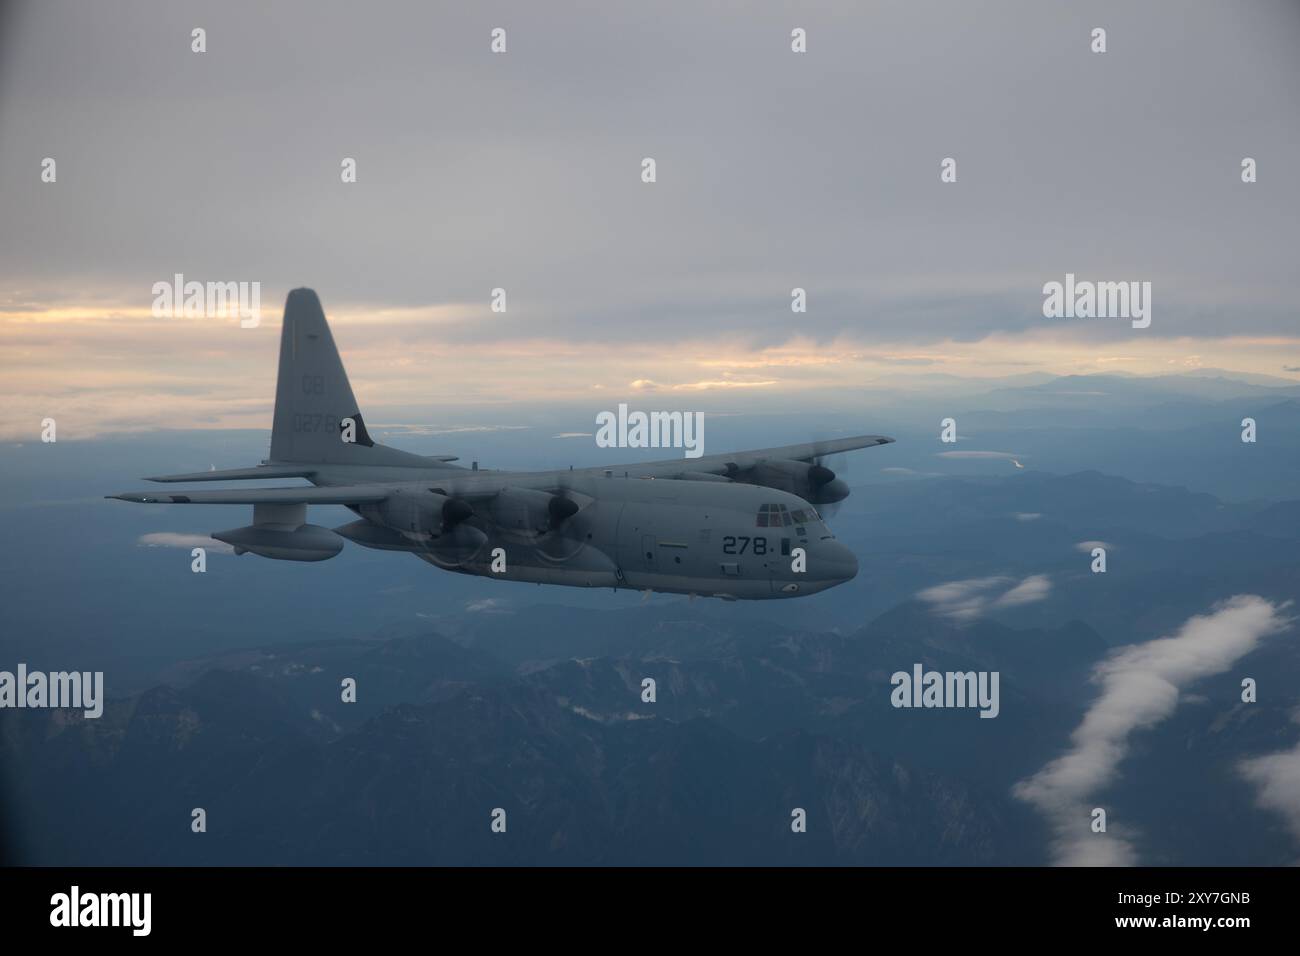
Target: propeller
(567, 531)
(822, 474)
(458, 543)
(559, 509)
(819, 474)
(454, 511)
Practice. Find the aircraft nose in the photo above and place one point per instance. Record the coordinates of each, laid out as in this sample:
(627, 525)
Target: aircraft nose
(839, 563)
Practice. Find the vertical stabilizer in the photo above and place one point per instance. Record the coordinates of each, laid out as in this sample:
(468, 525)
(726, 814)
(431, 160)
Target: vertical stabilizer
(313, 398)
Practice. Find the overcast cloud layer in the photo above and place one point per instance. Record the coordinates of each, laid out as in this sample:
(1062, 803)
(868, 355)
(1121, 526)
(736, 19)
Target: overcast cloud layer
(522, 171)
(775, 169)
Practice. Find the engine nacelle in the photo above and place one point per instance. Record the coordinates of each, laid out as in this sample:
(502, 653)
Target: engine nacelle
(811, 482)
(418, 512)
(528, 512)
(461, 544)
(370, 535)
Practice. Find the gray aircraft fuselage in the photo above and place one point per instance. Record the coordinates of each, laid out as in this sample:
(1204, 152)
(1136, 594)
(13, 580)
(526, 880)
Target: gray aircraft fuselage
(646, 533)
(736, 525)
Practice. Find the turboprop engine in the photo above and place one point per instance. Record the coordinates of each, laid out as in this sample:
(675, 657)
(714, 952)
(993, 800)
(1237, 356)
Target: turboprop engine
(529, 512)
(417, 512)
(431, 519)
(814, 483)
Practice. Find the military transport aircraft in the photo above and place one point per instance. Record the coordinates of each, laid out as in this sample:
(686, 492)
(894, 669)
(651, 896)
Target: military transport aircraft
(731, 526)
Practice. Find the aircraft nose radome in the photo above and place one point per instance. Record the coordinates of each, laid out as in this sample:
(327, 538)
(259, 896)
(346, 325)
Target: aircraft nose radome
(842, 564)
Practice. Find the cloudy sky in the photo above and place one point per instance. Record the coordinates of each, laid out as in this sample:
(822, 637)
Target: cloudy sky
(522, 171)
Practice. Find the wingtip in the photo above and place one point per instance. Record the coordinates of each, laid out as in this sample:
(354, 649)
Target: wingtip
(138, 497)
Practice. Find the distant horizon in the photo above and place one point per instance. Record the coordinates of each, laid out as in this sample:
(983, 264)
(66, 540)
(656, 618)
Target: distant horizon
(108, 370)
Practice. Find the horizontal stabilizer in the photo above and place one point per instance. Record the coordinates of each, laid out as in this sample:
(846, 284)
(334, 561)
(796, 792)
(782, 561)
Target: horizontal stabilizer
(241, 474)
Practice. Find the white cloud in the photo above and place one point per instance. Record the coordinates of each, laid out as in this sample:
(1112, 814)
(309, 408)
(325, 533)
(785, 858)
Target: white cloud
(1006, 455)
(972, 598)
(898, 470)
(705, 385)
(1087, 546)
(172, 539)
(1140, 686)
(1277, 777)
(1028, 515)
(1036, 587)
(488, 606)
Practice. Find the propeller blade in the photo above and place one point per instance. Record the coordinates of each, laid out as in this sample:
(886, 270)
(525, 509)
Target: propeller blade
(454, 511)
(560, 509)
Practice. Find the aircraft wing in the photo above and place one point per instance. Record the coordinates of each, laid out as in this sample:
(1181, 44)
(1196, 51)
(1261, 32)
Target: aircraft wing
(337, 495)
(730, 461)
(262, 471)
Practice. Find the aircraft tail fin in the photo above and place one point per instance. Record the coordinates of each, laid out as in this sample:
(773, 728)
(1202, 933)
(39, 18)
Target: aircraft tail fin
(317, 418)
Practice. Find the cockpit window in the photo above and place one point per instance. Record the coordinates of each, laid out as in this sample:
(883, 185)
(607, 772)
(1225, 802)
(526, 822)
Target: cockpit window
(779, 516)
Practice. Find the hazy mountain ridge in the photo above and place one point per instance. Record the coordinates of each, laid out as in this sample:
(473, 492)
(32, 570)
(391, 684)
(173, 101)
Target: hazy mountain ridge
(757, 721)
(416, 784)
(570, 750)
